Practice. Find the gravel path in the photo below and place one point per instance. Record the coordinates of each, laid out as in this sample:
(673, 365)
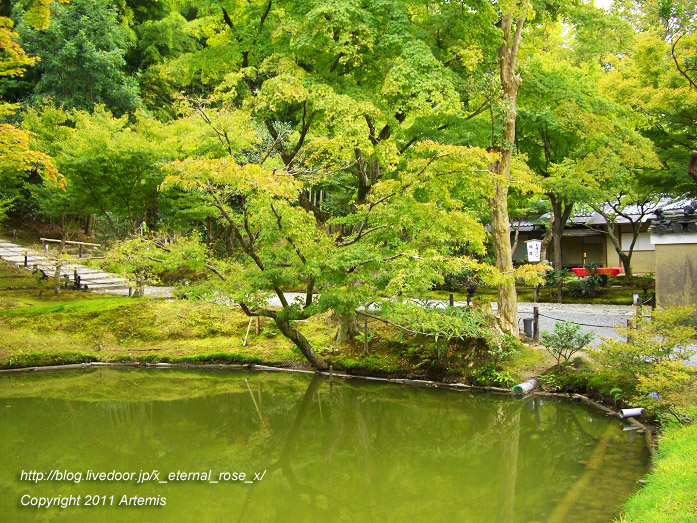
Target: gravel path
(598, 319)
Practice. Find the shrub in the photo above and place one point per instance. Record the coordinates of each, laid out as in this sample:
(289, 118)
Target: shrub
(664, 336)
(489, 375)
(665, 390)
(556, 276)
(566, 340)
(640, 281)
(651, 361)
(583, 288)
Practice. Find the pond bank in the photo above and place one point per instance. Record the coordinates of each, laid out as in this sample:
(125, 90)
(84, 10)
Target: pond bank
(668, 495)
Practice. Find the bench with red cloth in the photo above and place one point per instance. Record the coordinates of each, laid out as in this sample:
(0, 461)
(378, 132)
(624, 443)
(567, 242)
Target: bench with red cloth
(608, 271)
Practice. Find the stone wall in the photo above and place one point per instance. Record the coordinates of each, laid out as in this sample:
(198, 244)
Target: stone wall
(676, 274)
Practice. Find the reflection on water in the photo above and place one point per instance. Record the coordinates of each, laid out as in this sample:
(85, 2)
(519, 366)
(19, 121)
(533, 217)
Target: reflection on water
(351, 450)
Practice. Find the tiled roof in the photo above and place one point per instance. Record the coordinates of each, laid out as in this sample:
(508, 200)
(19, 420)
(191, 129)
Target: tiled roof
(589, 217)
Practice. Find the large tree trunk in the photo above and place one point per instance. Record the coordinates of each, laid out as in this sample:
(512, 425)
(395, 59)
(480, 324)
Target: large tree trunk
(546, 240)
(556, 242)
(294, 335)
(500, 221)
(560, 215)
(347, 327)
(88, 225)
(625, 258)
(501, 233)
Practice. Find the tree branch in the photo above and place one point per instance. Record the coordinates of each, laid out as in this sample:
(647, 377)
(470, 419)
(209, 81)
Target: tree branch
(263, 17)
(691, 169)
(388, 322)
(227, 19)
(303, 133)
(677, 64)
(288, 239)
(361, 228)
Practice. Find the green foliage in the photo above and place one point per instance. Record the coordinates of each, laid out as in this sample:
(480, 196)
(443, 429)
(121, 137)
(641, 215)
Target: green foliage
(142, 259)
(112, 167)
(666, 389)
(553, 277)
(662, 95)
(652, 360)
(583, 143)
(643, 280)
(490, 375)
(566, 340)
(664, 336)
(432, 319)
(38, 12)
(82, 57)
(583, 287)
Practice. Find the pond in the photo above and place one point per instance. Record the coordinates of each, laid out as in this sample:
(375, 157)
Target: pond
(310, 450)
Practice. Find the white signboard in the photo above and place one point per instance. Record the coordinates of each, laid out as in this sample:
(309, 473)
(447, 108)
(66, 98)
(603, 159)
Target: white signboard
(534, 248)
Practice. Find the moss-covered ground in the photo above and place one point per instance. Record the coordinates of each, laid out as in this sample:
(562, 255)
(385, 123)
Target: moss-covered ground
(75, 327)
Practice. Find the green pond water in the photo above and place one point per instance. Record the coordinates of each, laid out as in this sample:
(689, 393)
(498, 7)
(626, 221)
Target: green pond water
(353, 450)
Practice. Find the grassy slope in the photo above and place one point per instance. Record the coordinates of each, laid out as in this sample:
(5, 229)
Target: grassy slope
(670, 494)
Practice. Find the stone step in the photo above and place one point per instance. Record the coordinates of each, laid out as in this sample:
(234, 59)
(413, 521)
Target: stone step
(95, 279)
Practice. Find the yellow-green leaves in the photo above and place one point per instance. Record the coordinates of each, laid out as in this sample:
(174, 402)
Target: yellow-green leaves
(418, 83)
(17, 154)
(13, 59)
(38, 13)
(191, 174)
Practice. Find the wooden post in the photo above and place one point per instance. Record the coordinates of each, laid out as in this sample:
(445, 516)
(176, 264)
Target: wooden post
(79, 251)
(130, 292)
(249, 325)
(365, 333)
(451, 301)
(536, 294)
(26, 259)
(256, 326)
(535, 324)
